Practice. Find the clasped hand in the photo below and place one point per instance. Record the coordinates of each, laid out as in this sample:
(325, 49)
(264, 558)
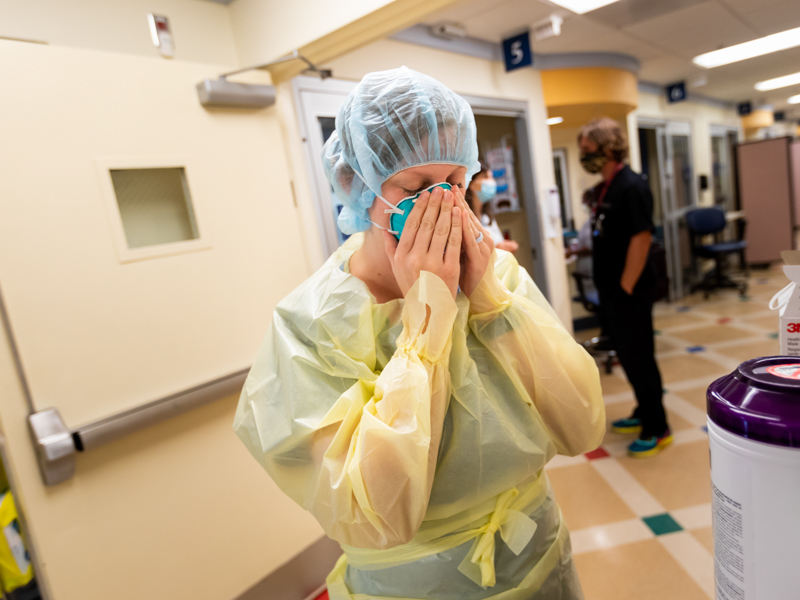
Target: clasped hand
(432, 240)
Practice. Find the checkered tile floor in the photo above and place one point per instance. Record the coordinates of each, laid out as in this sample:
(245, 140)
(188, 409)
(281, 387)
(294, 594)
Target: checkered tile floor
(641, 528)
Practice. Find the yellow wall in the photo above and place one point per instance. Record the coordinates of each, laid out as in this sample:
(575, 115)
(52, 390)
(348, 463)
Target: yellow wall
(589, 85)
(478, 77)
(757, 119)
(579, 95)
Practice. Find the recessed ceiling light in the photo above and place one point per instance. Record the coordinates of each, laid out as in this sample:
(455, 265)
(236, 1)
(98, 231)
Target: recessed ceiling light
(753, 48)
(794, 99)
(555, 120)
(778, 82)
(582, 6)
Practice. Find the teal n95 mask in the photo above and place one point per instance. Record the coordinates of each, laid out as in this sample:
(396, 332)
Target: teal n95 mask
(400, 212)
(403, 208)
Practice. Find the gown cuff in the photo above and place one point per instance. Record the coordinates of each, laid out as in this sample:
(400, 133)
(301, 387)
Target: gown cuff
(490, 296)
(428, 317)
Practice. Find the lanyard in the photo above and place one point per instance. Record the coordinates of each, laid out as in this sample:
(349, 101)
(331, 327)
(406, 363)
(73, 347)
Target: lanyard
(607, 184)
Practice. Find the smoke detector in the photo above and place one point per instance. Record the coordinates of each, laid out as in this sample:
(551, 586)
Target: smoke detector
(449, 31)
(551, 27)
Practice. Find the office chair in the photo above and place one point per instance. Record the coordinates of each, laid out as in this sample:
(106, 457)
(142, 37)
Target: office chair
(598, 346)
(711, 221)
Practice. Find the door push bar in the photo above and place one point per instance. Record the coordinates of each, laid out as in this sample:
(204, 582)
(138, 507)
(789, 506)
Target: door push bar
(57, 445)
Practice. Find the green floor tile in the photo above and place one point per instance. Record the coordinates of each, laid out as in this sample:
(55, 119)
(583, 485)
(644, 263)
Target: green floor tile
(661, 524)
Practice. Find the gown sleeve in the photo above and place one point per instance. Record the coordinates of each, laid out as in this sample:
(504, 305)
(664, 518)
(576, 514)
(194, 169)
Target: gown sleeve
(513, 320)
(354, 447)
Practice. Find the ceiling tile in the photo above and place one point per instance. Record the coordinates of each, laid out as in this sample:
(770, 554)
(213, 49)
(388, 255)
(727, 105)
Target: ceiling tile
(628, 12)
(581, 34)
(694, 30)
(494, 20)
(466, 10)
(667, 69)
(760, 68)
(766, 16)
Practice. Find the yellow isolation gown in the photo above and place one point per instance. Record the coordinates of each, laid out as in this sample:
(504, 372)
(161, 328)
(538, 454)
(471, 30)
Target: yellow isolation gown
(416, 431)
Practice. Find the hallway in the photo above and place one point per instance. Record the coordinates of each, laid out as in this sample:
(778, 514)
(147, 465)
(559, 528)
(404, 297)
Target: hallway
(641, 528)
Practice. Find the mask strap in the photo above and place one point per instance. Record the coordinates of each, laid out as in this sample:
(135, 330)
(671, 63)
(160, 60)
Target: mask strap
(386, 228)
(392, 208)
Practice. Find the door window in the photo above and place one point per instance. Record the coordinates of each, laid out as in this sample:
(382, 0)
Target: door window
(155, 206)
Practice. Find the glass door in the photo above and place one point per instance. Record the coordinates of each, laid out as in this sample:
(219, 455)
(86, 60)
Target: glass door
(680, 198)
(667, 164)
(723, 140)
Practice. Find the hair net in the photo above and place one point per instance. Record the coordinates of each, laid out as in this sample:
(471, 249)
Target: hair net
(394, 120)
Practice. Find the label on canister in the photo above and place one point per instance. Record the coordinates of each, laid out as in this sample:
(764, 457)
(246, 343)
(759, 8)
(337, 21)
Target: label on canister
(731, 519)
(790, 336)
(728, 521)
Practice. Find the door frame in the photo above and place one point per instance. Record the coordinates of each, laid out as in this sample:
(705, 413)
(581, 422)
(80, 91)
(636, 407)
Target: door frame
(561, 154)
(481, 105)
(723, 131)
(303, 85)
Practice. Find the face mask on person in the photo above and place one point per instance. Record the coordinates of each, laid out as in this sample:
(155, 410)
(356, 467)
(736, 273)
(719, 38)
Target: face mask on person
(594, 162)
(400, 212)
(488, 190)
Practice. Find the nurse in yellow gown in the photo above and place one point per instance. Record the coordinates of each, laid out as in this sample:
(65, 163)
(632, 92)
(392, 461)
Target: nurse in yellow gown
(410, 392)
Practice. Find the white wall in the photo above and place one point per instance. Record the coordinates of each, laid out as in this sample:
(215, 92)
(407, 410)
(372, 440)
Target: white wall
(478, 77)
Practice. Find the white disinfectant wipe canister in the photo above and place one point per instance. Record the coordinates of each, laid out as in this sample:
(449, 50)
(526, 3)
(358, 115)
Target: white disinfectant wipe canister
(754, 435)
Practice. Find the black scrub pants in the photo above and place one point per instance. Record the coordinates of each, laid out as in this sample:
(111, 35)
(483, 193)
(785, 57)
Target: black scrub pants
(629, 319)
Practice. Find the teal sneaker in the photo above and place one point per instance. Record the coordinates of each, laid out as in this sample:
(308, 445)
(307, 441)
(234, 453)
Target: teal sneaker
(645, 448)
(629, 425)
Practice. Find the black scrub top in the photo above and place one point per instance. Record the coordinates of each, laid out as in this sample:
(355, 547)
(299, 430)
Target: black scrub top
(626, 209)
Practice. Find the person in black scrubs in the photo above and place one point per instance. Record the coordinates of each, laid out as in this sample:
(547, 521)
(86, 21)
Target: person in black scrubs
(622, 230)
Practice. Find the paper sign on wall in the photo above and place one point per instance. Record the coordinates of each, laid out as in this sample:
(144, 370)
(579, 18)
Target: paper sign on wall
(552, 212)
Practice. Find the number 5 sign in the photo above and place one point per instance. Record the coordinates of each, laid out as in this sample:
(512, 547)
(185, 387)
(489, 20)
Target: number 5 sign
(517, 51)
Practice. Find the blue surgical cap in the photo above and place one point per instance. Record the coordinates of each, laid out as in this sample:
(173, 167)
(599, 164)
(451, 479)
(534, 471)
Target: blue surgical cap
(394, 120)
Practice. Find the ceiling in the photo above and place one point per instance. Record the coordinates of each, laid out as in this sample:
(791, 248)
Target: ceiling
(664, 35)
